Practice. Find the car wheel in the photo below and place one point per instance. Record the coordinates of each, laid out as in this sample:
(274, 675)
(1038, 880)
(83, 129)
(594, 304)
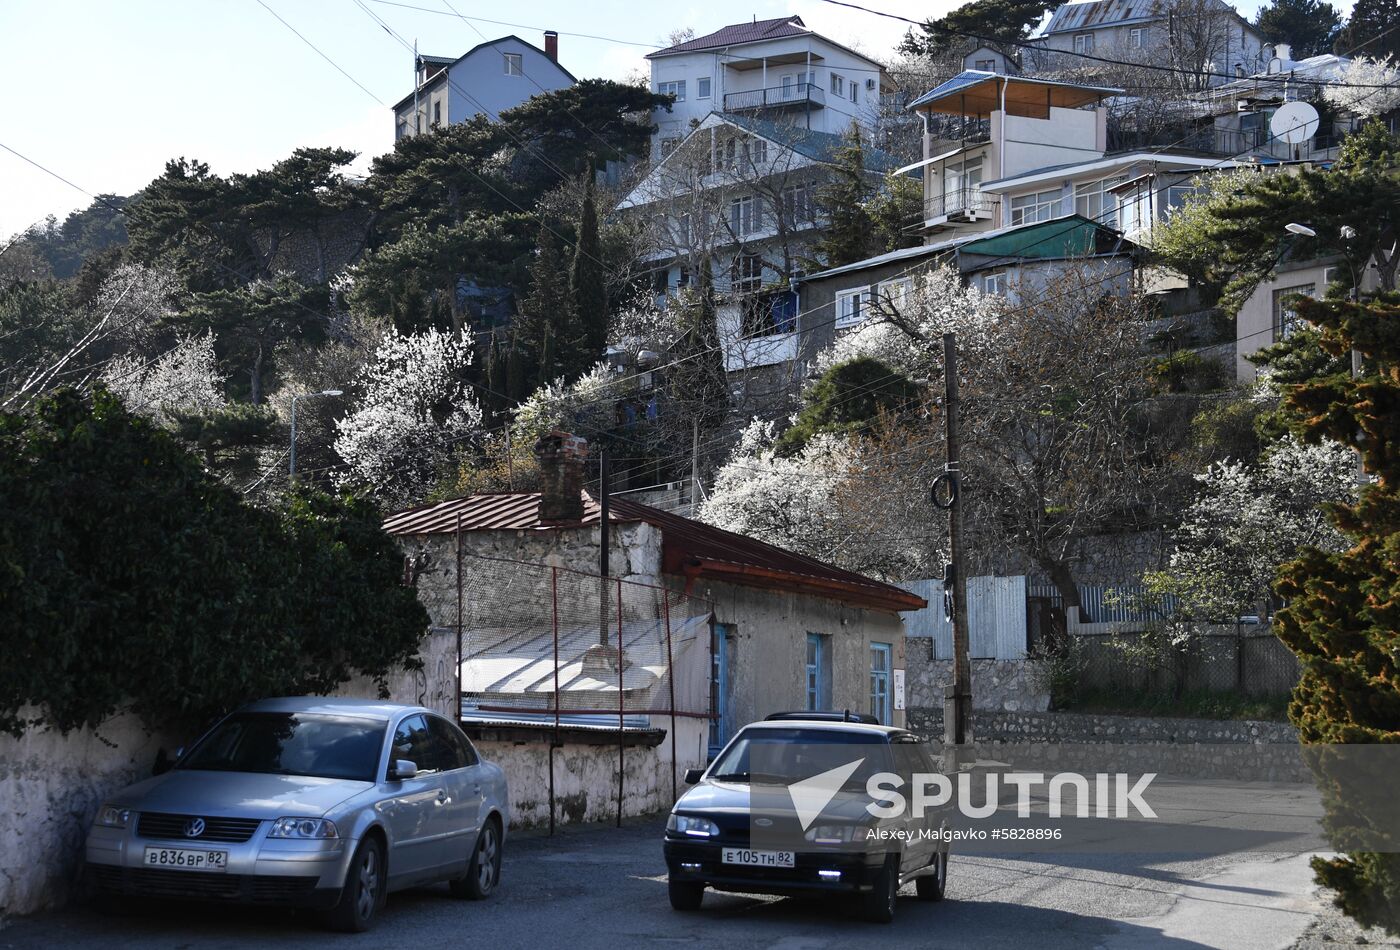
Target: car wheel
(363, 893)
(931, 887)
(484, 871)
(685, 895)
(878, 904)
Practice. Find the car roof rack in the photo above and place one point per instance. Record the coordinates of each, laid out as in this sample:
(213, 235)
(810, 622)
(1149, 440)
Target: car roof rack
(823, 716)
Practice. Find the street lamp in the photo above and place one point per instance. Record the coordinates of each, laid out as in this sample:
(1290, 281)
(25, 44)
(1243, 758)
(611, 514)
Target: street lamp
(292, 465)
(1293, 227)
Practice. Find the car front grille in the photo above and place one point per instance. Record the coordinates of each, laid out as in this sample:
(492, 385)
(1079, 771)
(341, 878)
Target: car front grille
(174, 827)
(200, 885)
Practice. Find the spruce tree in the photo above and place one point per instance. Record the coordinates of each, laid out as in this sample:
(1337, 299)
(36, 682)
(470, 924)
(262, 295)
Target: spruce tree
(1343, 613)
(589, 291)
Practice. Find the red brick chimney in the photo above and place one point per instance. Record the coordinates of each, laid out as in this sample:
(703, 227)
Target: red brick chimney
(561, 458)
(551, 45)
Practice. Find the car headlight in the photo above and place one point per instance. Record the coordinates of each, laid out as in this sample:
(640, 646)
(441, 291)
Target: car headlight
(835, 834)
(303, 828)
(690, 825)
(113, 816)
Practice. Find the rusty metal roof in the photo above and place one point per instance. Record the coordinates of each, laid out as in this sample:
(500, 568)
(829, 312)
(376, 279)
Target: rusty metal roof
(689, 548)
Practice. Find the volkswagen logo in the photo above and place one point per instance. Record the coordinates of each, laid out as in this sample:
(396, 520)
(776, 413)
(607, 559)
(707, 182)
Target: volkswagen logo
(194, 827)
(763, 822)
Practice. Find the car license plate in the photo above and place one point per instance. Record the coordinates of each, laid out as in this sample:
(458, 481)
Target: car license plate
(184, 859)
(761, 859)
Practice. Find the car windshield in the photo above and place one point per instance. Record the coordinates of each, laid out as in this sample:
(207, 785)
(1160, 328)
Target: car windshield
(291, 744)
(783, 756)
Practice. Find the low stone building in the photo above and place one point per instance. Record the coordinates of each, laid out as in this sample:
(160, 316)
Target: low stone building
(760, 630)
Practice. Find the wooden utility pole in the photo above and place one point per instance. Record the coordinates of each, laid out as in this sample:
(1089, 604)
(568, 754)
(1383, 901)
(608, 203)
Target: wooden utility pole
(957, 704)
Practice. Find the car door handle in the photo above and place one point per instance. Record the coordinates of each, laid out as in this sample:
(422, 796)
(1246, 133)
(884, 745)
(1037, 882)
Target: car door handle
(443, 798)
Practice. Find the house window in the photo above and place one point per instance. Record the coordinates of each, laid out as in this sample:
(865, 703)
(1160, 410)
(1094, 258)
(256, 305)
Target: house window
(702, 87)
(669, 145)
(769, 314)
(757, 150)
(994, 284)
(514, 66)
(1042, 206)
(745, 215)
(850, 306)
(880, 682)
(1094, 201)
(853, 91)
(1286, 319)
(838, 85)
(674, 89)
(721, 690)
(789, 83)
(797, 204)
(1178, 195)
(896, 294)
(1084, 43)
(747, 276)
(437, 114)
(986, 65)
(1135, 38)
(818, 671)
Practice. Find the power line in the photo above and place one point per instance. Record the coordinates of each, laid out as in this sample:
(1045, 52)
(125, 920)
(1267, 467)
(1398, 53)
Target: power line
(318, 52)
(997, 41)
(518, 26)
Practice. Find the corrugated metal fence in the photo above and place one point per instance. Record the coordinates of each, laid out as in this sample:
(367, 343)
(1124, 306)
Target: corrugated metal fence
(996, 617)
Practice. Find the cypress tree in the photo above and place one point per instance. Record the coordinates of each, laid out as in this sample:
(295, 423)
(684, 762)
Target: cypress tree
(548, 313)
(589, 292)
(849, 234)
(1343, 613)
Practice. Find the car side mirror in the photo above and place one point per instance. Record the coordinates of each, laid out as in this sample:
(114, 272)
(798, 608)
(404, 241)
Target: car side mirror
(402, 769)
(692, 776)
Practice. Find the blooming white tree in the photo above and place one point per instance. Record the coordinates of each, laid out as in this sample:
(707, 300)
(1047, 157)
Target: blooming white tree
(1248, 520)
(1367, 87)
(415, 411)
(181, 382)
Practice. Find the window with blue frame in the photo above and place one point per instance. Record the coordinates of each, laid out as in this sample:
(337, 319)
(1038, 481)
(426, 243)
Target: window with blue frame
(818, 671)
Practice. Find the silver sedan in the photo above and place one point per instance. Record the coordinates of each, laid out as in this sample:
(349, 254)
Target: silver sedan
(328, 803)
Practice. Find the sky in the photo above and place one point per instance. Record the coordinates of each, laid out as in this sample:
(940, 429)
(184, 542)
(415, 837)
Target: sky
(104, 93)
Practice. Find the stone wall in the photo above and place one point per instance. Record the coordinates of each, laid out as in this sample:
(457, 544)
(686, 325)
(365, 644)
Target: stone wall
(1198, 748)
(996, 684)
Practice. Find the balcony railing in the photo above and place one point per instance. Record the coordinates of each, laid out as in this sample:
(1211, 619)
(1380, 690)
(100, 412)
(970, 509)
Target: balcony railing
(966, 204)
(791, 96)
(968, 130)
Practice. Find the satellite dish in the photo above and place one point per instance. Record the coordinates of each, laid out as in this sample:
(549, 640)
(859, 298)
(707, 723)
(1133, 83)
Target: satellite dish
(1294, 123)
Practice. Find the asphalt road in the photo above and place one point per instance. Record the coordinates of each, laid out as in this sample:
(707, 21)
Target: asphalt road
(601, 887)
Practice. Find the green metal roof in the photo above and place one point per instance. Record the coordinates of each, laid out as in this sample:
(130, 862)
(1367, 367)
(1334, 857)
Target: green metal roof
(1072, 236)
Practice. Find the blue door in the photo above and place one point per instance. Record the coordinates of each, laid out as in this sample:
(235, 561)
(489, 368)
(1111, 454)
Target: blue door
(721, 691)
(880, 682)
(818, 696)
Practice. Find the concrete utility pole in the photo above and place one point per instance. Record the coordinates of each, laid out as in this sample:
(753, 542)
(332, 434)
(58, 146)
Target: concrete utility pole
(603, 540)
(957, 703)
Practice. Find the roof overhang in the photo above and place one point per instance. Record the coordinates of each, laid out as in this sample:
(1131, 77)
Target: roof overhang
(1022, 96)
(750, 575)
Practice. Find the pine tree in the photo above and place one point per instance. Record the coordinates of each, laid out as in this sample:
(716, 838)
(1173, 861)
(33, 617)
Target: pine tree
(1373, 30)
(589, 292)
(849, 234)
(1343, 612)
(1311, 26)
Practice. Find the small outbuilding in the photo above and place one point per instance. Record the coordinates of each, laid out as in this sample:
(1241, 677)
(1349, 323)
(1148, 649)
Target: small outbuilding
(695, 632)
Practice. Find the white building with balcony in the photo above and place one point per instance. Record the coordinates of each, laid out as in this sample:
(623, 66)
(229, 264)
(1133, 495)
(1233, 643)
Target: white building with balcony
(773, 69)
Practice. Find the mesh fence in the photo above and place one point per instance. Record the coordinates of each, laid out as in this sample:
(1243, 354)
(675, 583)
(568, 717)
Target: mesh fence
(549, 643)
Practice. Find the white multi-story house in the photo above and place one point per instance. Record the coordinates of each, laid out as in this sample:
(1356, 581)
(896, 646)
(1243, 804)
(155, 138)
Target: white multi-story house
(1208, 37)
(773, 69)
(1001, 151)
(486, 80)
